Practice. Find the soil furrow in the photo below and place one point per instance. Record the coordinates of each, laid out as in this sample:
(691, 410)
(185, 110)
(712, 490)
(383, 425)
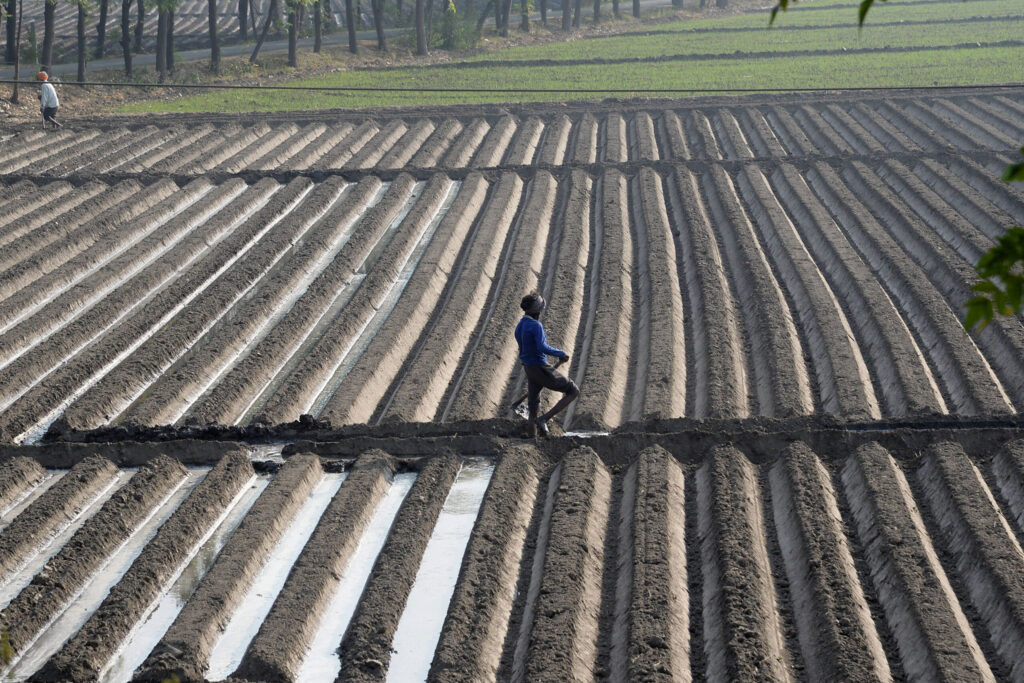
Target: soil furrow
(18, 476)
(107, 295)
(277, 650)
(52, 148)
(84, 656)
(296, 394)
(842, 376)
(719, 362)
(87, 155)
(131, 151)
(180, 156)
(922, 134)
(199, 136)
(131, 207)
(278, 156)
(524, 145)
(826, 138)
(465, 145)
(606, 370)
(958, 362)
(409, 144)
(928, 117)
(489, 363)
(615, 147)
(780, 380)
(763, 141)
(477, 621)
(67, 381)
(988, 557)
(492, 149)
(934, 638)
(366, 648)
(429, 155)
(836, 632)
(701, 132)
(28, 257)
(375, 149)
(996, 117)
(584, 140)
(285, 219)
(676, 147)
(729, 130)
(245, 158)
(44, 214)
(665, 386)
(227, 400)
(556, 141)
(147, 228)
(362, 390)
(646, 138)
(425, 378)
(311, 152)
(52, 511)
(563, 636)
(657, 643)
(1008, 466)
(980, 130)
(65, 574)
(852, 130)
(214, 157)
(743, 636)
(167, 398)
(989, 185)
(1003, 340)
(903, 377)
(28, 142)
(184, 651)
(797, 140)
(979, 211)
(348, 147)
(891, 137)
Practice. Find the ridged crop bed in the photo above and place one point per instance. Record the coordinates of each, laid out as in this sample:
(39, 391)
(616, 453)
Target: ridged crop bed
(253, 376)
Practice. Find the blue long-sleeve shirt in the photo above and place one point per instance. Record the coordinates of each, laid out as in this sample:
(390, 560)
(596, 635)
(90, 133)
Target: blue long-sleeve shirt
(533, 344)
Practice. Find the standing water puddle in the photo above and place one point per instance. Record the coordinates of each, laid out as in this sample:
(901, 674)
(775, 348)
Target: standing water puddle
(95, 591)
(247, 618)
(322, 662)
(419, 628)
(145, 636)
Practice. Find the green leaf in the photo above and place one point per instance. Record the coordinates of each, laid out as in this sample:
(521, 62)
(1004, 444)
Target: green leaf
(979, 313)
(986, 287)
(862, 11)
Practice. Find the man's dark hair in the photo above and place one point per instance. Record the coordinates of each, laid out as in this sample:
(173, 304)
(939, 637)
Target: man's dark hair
(532, 303)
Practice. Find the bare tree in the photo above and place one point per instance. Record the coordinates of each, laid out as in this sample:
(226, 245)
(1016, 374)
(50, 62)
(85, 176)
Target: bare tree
(126, 37)
(378, 24)
(293, 33)
(524, 21)
(577, 12)
(101, 30)
(597, 11)
(170, 36)
(263, 33)
(161, 43)
(636, 8)
(566, 15)
(615, 9)
(83, 50)
(421, 28)
(243, 19)
(49, 10)
(12, 20)
(318, 21)
(140, 25)
(544, 13)
(350, 25)
(214, 41)
(17, 52)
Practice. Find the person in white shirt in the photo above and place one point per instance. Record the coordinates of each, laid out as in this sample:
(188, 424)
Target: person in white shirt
(48, 102)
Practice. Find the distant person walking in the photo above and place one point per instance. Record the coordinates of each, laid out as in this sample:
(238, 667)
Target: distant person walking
(533, 353)
(48, 102)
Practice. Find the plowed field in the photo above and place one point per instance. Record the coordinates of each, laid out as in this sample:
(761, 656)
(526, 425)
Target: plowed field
(813, 471)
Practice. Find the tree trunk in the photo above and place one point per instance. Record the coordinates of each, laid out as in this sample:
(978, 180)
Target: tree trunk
(483, 15)
(170, 41)
(126, 37)
(506, 16)
(350, 24)
(577, 12)
(17, 52)
(678, 4)
(421, 28)
(544, 13)
(12, 21)
(82, 46)
(722, 3)
(263, 33)
(430, 18)
(293, 34)
(597, 11)
(140, 25)
(636, 8)
(49, 9)
(398, 13)
(378, 23)
(214, 41)
(318, 25)
(252, 16)
(161, 45)
(101, 31)
(615, 9)
(524, 21)
(243, 20)
(566, 15)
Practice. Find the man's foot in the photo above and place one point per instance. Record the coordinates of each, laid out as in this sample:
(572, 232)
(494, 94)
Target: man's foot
(542, 427)
(521, 410)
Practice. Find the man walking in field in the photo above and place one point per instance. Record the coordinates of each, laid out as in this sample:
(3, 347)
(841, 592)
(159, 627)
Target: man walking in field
(533, 353)
(48, 102)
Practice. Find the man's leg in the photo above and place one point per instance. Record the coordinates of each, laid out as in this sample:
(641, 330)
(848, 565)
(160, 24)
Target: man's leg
(532, 402)
(554, 380)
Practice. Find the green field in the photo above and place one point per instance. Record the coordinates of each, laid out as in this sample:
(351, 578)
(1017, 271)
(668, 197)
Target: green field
(669, 48)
